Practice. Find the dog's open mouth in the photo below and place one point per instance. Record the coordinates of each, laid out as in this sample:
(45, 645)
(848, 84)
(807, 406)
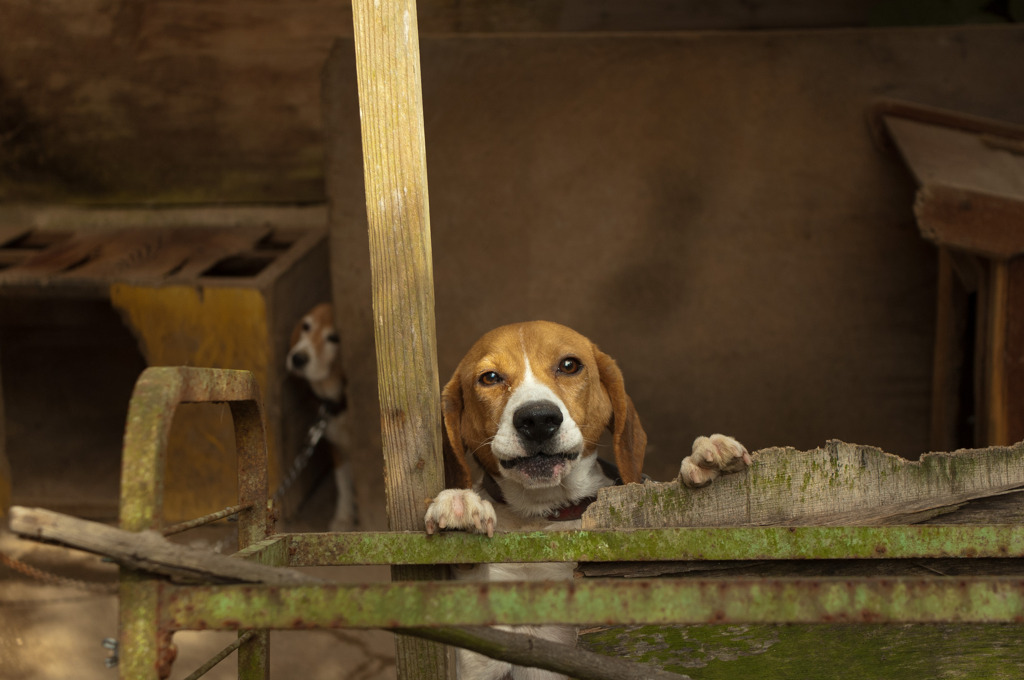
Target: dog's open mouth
(538, 465)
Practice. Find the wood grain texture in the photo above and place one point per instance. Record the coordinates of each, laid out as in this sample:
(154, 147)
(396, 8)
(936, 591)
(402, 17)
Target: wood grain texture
(148, 550)
(398, 215)
(971, 176)
(993, 409)
(944, 153)
(837, 484)
(982, 223)
(387, 58)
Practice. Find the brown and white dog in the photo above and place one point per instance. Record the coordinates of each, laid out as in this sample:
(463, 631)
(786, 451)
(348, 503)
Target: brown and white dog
(523, 415)
(316, 357)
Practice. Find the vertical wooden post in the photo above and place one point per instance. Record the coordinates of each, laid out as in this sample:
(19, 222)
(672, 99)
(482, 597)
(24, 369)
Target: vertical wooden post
(994, 377)
(1002, 354)
(395, 170)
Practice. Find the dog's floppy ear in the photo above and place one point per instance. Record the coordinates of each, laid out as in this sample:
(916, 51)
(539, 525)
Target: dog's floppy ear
(456, 467)
(628, 437)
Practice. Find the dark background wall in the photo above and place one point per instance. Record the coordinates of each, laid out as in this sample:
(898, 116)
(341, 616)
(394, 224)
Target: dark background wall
(710, 208)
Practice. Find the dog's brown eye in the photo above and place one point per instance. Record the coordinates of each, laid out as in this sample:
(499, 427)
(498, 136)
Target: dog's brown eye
(306, 326)
(333, 337)
(490, 378)
(569, 365)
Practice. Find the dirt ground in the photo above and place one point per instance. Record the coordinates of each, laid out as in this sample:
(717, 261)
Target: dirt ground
(55, 632)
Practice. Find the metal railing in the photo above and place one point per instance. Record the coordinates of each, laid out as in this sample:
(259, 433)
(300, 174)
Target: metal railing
(152, 609)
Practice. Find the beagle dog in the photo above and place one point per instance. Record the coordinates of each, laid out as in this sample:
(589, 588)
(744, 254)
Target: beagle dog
(523, 415)
(315, 357)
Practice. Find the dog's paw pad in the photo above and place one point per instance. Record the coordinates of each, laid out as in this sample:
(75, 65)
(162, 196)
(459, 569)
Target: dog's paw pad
(460, 509)
(710, 457)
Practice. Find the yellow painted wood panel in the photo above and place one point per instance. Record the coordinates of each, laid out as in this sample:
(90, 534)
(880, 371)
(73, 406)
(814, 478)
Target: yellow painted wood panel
(208, 327)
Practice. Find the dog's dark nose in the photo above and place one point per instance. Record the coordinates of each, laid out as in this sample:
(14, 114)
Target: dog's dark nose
(537, 421)
(299, 359)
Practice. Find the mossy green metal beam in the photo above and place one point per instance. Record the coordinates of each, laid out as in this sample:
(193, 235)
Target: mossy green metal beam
(739, 543)
(595, 602)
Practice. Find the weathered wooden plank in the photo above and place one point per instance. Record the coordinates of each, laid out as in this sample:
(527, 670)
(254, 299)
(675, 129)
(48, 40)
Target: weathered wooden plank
(398, 213)
(150, 551)
(397, 206)
(150, 254)
(147, 550)
(971, 175)
(834, 485)
(135, 255)
(857, 484)
(973, 160)
(65, 255)
(981, 223)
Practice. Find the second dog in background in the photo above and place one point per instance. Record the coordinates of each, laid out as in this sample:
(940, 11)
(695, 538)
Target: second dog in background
(315, 356)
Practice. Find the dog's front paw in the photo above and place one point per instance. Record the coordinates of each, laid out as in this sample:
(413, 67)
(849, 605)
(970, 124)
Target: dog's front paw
(460, 509)
(711, 456)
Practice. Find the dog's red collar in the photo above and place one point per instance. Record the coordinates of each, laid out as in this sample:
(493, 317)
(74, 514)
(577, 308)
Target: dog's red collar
(569, 512)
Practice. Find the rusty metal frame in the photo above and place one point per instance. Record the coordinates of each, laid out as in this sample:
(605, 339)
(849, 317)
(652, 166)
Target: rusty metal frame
(146, 649)
(650, 545)
(409, 604)
(153, 609)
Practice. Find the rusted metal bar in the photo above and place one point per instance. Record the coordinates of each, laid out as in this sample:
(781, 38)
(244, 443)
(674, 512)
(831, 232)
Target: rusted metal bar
(598, 601)
(157, 394)
(255, 522)
(221, 655)
(146, 647)
(152, 609)
(204, 520)
(740, 543)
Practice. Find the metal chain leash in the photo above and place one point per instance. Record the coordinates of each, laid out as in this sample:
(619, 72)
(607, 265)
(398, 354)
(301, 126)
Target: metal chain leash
(47, 577)
(313, 437)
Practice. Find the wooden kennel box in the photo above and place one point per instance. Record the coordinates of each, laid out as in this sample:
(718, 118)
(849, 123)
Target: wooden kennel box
(211, 288)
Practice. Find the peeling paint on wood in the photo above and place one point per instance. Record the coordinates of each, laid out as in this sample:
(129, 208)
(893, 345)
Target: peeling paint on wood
(209, 327)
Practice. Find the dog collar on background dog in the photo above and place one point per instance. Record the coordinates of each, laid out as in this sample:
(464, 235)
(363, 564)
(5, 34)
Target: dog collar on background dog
(569, 512)
(333, 407)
